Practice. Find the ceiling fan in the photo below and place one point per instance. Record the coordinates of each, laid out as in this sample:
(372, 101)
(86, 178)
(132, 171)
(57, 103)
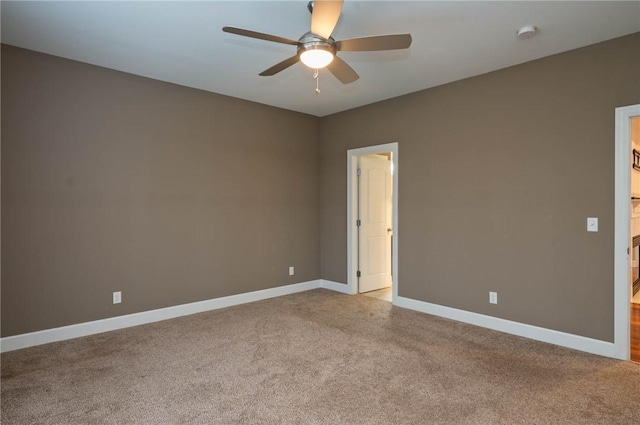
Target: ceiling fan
(317, 49)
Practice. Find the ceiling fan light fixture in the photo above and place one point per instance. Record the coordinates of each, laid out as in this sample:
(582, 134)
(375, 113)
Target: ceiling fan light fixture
(316, 57)
(317, 48)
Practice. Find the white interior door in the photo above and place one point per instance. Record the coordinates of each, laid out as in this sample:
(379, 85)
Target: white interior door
(374, 232)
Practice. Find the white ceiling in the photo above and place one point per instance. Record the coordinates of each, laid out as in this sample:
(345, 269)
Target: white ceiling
(182, 42)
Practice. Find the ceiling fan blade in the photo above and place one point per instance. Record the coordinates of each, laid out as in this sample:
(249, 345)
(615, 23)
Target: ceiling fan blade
(259, 35)
(378, 42)
(280, 66)
(325, 16)
(342, 71)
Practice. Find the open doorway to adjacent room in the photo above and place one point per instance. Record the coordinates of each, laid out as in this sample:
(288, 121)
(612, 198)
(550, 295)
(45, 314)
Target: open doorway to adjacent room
(627, 234)
(372, 221)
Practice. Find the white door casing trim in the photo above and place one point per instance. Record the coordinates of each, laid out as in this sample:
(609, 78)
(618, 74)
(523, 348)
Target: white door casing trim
(622, 232)
(352, 201)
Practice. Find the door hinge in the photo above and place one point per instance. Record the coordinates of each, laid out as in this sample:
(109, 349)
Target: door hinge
(358, 171)
(358, 273)
(358, 222)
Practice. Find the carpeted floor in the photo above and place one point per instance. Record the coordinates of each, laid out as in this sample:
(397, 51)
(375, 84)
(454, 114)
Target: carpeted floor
(316, 357)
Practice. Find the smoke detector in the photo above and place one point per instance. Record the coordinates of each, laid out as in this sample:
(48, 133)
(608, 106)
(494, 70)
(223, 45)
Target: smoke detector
(527, 31)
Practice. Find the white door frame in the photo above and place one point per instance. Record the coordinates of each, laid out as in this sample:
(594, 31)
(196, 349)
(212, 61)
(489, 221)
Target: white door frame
(352, 214)
(622, 232)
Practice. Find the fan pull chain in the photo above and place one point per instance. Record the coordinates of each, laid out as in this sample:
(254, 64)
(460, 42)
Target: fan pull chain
(316, 75)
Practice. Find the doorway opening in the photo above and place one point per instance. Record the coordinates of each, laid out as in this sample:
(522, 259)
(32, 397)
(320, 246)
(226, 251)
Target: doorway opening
(635, 238)
(627, 318)
(372, 221)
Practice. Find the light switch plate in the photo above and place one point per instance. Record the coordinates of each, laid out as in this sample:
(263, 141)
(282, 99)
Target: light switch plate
(592, 224)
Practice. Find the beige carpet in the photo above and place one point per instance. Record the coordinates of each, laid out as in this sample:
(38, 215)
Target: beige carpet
(314, 358)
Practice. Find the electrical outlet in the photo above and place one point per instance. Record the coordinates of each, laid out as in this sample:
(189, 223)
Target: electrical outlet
(592, 224)
(117, 297)
(292, 271)
(493, 297)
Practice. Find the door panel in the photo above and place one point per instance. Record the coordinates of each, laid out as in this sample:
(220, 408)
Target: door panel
(374, 233)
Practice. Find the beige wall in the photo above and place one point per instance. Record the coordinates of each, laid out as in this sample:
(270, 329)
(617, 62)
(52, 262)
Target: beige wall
(497, 175)
(116, 182)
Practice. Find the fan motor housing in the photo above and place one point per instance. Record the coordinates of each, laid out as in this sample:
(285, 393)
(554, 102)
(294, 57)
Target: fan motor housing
(311, 41)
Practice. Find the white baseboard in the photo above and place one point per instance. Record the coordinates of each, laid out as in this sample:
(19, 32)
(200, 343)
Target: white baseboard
(105, 325)
(16, 342)
(335, 286)
(562, 339)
